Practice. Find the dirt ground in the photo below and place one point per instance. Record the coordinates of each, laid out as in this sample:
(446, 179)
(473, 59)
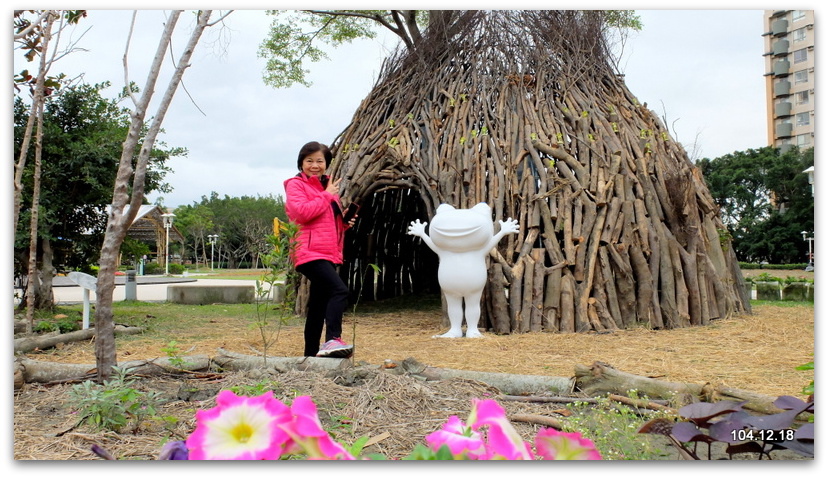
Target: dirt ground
(756, 352)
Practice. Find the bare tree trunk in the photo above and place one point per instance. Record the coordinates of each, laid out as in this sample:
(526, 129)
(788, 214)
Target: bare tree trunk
(120, 218)
(35, 118)
(31, 295)
(49, 17)
(45, 296)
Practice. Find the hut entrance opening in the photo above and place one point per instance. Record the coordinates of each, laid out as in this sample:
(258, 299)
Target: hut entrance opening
(404, 265)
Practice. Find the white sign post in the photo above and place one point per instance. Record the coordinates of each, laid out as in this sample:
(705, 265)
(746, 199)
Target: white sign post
(88, 283)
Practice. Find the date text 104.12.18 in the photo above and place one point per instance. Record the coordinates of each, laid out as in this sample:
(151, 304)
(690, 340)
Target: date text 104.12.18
(763, 435)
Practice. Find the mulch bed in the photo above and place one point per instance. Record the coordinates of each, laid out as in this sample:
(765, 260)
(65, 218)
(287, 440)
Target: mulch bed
(758, 353)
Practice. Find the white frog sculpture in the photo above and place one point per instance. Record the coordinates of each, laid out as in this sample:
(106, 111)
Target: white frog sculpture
(462, 238)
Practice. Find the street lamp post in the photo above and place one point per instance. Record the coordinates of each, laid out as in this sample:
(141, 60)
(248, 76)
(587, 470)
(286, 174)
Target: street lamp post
(168, 220)
(213, 238)
(810, 246)
(810, 173)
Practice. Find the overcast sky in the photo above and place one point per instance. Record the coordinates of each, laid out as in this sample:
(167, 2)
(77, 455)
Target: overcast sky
(701, 69)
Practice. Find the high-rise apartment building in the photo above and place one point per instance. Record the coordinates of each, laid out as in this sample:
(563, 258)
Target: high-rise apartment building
(789, 72)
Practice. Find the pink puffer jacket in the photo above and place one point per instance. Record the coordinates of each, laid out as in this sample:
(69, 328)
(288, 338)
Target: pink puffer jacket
(319, 216)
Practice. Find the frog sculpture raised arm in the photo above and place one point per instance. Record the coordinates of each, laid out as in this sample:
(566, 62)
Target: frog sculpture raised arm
(462, 238)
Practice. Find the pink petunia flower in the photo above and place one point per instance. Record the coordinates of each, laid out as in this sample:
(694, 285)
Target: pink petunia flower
(307, 434)
(554, 445)
(504, 442)
(459, 438)
(240, 428)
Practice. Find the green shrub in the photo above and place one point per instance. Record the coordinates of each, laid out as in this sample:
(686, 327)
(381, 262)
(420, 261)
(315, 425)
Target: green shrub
(66, 325)
(176, 269)
(766, 277)
(613, 428)
(785, 266)
(114, 404)
(753, 266)
(63, 326)
(44, 326)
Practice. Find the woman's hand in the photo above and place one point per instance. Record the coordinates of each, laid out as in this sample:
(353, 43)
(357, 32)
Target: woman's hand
(333, 187)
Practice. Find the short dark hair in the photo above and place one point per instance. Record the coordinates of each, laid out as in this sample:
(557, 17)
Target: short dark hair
(311, 148)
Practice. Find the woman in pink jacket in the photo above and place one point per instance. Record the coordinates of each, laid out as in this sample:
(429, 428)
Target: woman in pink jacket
(312, 202)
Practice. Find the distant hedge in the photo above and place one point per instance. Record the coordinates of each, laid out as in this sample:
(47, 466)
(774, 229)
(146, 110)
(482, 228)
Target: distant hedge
(748, 265)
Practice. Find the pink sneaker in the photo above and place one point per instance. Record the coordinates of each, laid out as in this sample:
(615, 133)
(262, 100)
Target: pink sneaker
(335, 348)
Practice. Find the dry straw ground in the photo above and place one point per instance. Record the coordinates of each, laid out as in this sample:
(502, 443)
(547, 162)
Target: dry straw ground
(757, 352)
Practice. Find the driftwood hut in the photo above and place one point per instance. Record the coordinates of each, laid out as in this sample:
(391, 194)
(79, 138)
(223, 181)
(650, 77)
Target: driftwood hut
(523, 110)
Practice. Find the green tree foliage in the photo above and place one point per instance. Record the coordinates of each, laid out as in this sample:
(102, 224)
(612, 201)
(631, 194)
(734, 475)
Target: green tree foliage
(295, 35)
(195, 223)
(84, 132)
(242, 223)
(292, 36)
(133, 250)
(766, 202)
(28, 40)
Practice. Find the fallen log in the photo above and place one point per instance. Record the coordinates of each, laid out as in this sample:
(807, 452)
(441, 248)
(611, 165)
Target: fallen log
(36, 371)
(596, 380)
(755, 401)
(506, 383)
(509, 384)
(234, 361)
(43, 342)
(601, 379)
(542, 399)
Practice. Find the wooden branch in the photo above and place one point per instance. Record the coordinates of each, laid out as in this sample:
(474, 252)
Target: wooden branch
(545, 399)
(542, 420)
(640, 403)
(28, 344)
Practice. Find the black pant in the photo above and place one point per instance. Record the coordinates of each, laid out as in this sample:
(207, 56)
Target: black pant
(326, 303)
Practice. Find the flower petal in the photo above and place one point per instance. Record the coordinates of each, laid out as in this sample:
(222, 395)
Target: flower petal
(503, 439)
(459, 438)
(239, 428)
(307, 433)
(554, 445)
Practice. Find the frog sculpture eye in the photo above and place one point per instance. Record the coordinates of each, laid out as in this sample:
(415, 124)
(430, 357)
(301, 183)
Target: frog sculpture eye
(462, 238)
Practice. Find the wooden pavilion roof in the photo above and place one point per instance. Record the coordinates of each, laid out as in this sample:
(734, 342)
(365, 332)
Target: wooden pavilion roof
(148, 225)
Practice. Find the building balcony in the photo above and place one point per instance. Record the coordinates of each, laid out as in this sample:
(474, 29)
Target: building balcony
(781, 47)
(783, 109)
(782, 88)
(784, 130)
(781, 67)
(779, 27)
